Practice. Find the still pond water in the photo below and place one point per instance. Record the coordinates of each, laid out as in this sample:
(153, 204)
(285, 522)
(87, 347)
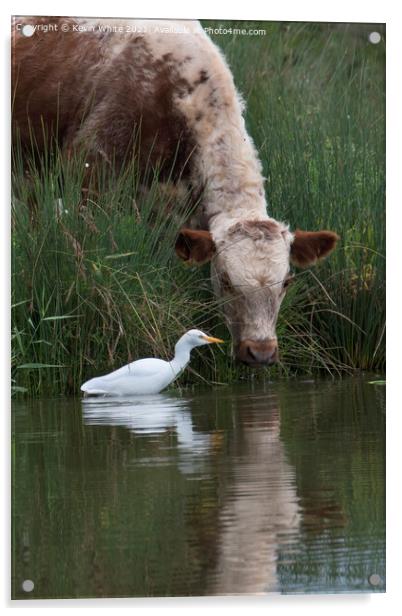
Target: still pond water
(242, 490)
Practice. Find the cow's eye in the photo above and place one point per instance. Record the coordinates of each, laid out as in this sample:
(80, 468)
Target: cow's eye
(288, 280)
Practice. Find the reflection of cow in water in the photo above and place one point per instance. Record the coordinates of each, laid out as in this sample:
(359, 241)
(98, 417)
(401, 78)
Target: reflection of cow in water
(168, 84)
(243, 520)
(257, 512)
(260, 513)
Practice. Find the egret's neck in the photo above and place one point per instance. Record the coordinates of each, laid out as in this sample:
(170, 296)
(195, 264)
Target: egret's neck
(181, 356)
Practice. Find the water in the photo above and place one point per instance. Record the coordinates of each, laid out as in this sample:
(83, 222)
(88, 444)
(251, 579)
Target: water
(242, 490)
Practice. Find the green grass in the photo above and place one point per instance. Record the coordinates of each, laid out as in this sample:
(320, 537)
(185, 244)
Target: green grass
(95, 287)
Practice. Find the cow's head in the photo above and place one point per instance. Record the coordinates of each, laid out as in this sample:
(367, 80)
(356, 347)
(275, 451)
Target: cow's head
(250, 273)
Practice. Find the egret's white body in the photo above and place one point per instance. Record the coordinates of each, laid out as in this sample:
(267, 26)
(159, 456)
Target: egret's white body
(148, 376)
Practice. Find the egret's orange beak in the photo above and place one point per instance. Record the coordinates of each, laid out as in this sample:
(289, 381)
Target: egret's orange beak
(210, 339)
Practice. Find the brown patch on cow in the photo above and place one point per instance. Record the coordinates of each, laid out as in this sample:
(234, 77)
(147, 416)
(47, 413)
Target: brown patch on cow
(257, 229)
(203, 77)
(87, 94)
(213, 99)
(185, 60)
(262, 280)
(183, 87)
(309, 247)
(225, 283)
(269, 227)
(195, 246)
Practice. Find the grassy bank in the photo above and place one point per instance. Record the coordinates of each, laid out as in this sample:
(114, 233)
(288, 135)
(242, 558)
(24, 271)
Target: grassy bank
(98, 286)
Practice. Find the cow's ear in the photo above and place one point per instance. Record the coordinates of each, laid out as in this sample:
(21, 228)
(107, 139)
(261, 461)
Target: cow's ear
(309, 247)
(195, 246)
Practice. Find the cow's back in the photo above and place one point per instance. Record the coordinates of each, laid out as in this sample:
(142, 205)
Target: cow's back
(48, 70)
(102, 89)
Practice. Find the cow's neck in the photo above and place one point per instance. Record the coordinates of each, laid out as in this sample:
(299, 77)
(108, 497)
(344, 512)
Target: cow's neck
(225, 163)
(232, 177)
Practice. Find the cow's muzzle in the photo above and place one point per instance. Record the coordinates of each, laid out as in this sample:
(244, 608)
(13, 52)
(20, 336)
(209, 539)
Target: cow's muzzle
(257, 352)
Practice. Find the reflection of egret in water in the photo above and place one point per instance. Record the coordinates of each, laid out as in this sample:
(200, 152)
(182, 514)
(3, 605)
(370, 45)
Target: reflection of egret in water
(147, 415)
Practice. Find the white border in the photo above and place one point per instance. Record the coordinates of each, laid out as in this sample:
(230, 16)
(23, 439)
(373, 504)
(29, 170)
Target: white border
(285, 10)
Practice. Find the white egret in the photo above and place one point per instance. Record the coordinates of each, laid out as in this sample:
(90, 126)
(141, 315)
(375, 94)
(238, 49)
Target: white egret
(148, 376)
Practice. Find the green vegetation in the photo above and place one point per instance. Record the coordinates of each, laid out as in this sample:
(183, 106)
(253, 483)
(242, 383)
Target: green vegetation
(95, 287)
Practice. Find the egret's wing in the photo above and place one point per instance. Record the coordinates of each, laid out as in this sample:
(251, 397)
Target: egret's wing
(139, 368)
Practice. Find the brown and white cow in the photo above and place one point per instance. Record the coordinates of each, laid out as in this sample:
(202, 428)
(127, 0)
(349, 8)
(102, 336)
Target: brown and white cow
(97, 83)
